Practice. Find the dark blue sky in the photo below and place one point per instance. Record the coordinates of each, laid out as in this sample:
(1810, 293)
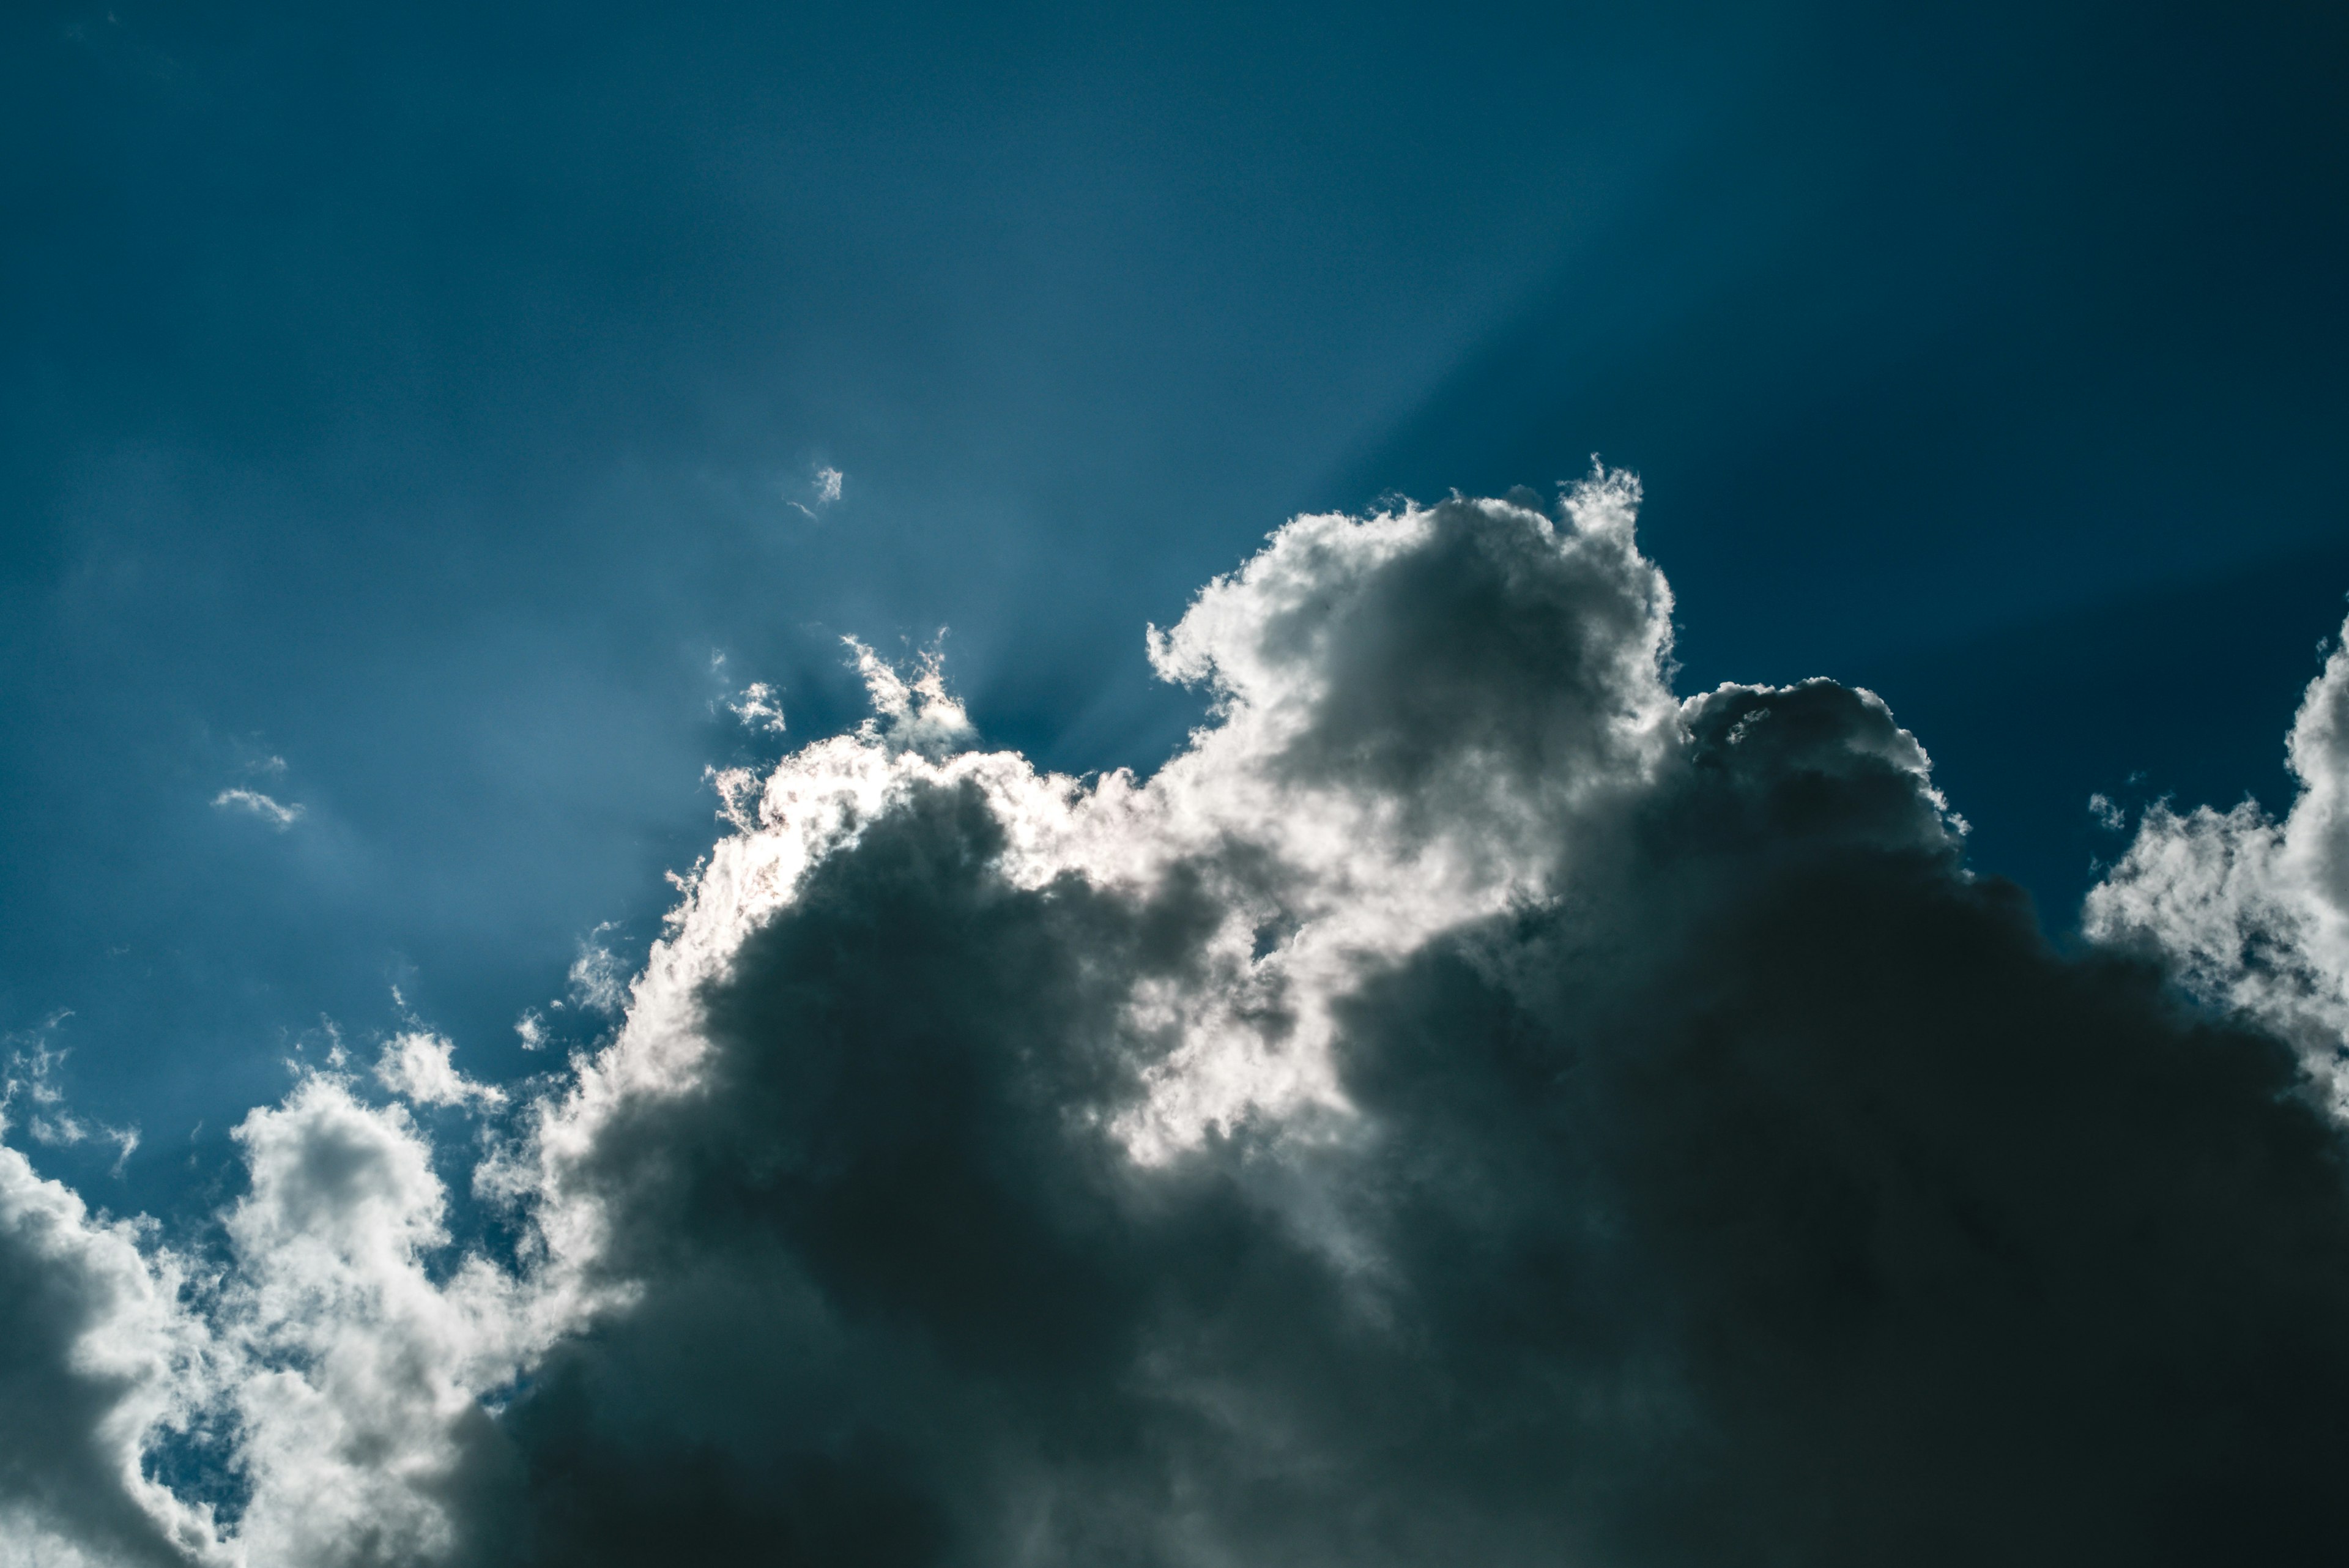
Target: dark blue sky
(419, 396)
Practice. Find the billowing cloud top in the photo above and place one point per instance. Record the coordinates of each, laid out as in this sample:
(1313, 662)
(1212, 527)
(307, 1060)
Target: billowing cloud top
(1469, 1106)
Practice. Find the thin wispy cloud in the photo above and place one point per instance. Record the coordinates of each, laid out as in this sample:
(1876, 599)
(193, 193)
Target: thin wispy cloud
(253, 803)
(756, 707)
(598, 978)
(32, 1097)
(824, 488)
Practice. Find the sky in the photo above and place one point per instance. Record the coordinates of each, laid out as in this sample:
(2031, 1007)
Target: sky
(453, 462)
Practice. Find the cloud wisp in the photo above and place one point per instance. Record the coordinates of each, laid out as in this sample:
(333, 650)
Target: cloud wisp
(825, 487)
(1471, 1105)
(278, 815)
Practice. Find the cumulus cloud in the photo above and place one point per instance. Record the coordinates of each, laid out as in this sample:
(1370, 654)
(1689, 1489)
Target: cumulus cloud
(1471, 1105)
(98, 1365)
(2251, 912)
(360, 1353)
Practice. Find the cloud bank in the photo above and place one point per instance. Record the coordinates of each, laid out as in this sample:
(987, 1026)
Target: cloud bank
(1471, 1105)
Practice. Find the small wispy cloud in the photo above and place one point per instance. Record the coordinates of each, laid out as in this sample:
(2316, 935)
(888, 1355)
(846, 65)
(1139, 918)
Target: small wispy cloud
(28, 1087)
(756, 707)
(416, 1065)
(597, 982)
(277, 814)
(826, 487)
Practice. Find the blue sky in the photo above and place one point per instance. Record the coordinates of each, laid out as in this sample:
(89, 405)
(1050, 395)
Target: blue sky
(404, 409)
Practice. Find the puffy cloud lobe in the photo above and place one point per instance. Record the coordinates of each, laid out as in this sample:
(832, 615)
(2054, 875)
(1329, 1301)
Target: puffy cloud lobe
(95, 1364)
(1468, 1105)
(420, 1065)
(2252, 913)
(359, 1356)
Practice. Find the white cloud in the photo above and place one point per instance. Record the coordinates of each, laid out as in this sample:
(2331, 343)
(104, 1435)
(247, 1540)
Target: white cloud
(98, 1360)
(916, 715)
(2251, 912)
(359, 1370)
(416, 1065)
(756, 707)
(824, 489)
(256, 803)
(599, 981)
(29, 1088)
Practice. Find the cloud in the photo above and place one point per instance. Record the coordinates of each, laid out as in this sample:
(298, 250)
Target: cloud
(416, 1065)
(2251, 913)
(97, 1366)
(30, 1084)
(1471, 1103)
(360, 1353)
(256, 804)
(598, 981)
(825, 487)
(917, 714)
(756, 707)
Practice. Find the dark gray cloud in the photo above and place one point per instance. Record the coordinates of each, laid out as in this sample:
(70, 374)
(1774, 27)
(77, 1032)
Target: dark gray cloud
(1769, 1190)
(1470, 1105)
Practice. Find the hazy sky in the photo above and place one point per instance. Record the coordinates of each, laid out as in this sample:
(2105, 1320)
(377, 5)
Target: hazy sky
(437, 443)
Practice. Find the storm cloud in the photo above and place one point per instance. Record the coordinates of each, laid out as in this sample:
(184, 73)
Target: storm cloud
(1471, 1105)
